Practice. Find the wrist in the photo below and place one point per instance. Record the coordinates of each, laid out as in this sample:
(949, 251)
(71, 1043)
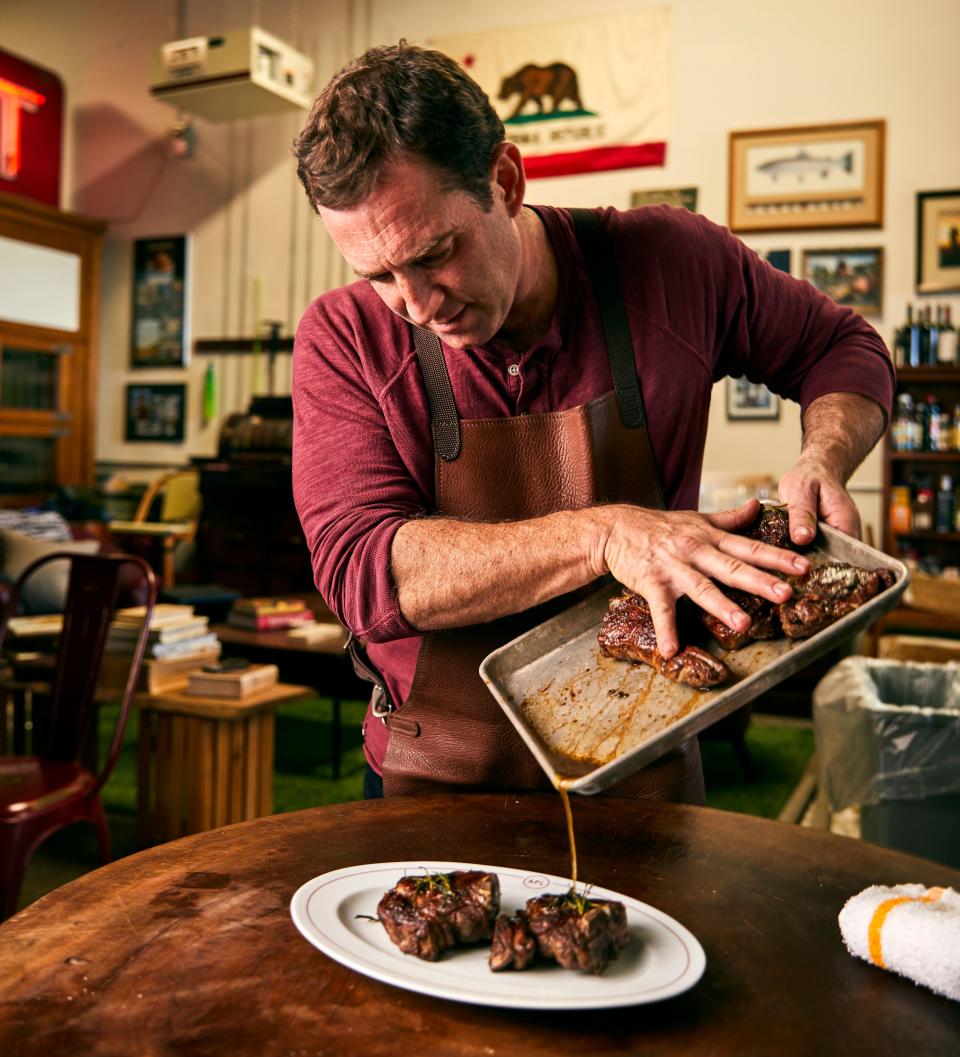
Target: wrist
(598, 522)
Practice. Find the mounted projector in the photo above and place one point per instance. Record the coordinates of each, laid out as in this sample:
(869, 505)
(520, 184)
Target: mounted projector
(241, 74)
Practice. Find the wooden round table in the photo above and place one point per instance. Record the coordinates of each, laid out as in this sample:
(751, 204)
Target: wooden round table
(189, 948)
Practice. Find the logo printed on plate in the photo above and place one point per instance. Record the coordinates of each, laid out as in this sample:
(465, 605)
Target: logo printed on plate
(536, 881)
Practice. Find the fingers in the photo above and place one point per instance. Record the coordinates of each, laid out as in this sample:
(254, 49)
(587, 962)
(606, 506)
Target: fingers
(740, 571)
(755, 554)
(663, 610)
(739, 518)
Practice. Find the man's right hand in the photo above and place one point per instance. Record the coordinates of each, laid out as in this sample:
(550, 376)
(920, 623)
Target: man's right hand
(663, 555)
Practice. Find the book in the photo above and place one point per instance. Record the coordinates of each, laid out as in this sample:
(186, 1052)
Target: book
(232, 684)
(164, 615)
(48, 624)
(163, 650)
(270, 621)
(190, 629)
(158, 676)
(317, 632)
(266, 606)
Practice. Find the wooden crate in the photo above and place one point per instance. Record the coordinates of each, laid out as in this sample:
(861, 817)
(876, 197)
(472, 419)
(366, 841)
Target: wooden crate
(918, 648)
(936, 593)
(205, 761)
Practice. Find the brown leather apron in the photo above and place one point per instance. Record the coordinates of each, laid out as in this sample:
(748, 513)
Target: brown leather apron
(451, 732)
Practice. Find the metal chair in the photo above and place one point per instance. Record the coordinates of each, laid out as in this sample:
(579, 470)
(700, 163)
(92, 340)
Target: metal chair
(43, 793)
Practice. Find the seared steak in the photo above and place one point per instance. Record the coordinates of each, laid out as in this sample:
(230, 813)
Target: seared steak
(764, 620)
(772, 526)
(425, 915)
(627, 633)
(827, 593)
(577, 932)
(513, 945)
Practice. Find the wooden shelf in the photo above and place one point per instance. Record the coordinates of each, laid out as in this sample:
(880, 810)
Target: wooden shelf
(925, 456)
(928, 374)
(937, 537)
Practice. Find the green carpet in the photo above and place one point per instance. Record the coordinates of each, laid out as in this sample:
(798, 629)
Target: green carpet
(302, 779)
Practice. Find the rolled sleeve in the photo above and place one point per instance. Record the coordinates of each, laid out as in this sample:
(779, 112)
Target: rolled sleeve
(350, 486)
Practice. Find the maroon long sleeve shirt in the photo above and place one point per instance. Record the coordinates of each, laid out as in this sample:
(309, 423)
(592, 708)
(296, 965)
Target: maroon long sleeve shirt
(700, 304)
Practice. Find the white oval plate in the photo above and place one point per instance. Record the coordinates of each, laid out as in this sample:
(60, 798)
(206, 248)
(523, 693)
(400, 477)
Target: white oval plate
(663, 958)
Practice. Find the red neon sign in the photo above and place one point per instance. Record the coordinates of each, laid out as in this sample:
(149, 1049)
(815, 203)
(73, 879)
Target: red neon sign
(31, 120)
(14, 98)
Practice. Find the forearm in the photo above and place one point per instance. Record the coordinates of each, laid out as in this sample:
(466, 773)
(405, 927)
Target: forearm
(455, 573)
(839, 430)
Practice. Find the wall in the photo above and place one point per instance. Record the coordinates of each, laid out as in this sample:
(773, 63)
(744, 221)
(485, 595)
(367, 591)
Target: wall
(740, 64)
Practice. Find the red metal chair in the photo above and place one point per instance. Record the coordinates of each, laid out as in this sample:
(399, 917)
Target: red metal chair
(43, 793)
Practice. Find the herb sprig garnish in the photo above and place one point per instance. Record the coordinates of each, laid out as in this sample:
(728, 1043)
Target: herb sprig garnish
(579, 901)
(432, 882)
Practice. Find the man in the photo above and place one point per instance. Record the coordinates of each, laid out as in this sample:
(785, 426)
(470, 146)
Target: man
(497, 413)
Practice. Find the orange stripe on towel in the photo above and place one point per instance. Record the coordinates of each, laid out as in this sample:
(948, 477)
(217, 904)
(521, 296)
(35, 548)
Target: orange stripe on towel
(880, 915)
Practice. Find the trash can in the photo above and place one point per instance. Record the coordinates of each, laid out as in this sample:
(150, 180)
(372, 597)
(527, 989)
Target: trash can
(888, 741)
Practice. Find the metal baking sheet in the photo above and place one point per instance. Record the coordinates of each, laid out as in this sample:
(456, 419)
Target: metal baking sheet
(594, 720)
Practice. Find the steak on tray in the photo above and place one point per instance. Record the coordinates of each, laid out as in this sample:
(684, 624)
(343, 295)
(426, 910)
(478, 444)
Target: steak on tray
(426, 914)
(627, 633)
(827, 593)
(576, 932)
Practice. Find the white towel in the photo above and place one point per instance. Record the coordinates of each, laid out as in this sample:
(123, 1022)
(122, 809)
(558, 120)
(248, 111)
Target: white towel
(911, 929)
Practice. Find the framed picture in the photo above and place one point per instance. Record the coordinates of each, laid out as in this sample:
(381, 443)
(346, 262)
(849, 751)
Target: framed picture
(669, 196)
(780, 259)
(938, 241)
(746, 399)
(815, 176)
(850, 277)
(155, 413)
(159, 323)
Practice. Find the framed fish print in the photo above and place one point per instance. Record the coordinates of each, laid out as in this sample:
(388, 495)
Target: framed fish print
(746, 399)
(807, 177)
(938, 242)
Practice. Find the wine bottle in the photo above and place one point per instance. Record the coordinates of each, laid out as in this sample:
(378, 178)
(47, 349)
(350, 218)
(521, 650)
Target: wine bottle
(924, 338)
(913, 328)
(947, 351)
(933, 349)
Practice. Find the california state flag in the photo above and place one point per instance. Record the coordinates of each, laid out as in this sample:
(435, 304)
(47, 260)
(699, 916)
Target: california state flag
(577, 96)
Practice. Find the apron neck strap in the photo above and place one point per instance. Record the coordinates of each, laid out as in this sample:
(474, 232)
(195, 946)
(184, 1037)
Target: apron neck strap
(613, 315)
(443, 411)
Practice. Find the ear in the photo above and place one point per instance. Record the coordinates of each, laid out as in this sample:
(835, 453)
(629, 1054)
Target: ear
(507, 177)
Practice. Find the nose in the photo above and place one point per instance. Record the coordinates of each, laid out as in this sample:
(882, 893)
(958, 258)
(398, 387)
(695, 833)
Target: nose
(419, 298)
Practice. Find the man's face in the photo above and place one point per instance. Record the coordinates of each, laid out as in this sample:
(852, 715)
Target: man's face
(433, 255)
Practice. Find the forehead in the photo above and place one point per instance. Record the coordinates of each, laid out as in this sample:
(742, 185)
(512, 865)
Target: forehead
(409, 209)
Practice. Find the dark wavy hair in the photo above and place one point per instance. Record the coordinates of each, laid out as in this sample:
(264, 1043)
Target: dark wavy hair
(393, 100)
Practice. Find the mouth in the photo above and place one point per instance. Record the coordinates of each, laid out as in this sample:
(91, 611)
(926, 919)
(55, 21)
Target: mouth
(445, 326)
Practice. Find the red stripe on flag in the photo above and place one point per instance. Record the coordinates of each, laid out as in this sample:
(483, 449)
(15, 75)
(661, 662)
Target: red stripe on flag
(595, 159)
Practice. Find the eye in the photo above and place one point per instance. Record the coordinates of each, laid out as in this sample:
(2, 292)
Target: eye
(380, 280)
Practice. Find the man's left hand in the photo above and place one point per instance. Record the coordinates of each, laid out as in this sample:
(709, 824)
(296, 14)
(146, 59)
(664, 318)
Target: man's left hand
(814, 491)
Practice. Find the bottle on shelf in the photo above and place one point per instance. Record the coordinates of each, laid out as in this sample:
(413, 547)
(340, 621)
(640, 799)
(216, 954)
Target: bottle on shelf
(923, 337)
(933, 339)
(943, 520)
(947, 349)
(923, 503)
(901, 510)
(956, 427)
(945, 440)
(931, 424)
(901, 432)
(912, 339)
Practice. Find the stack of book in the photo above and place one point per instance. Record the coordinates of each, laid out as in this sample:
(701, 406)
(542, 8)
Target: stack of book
(178, 642)
(245, 682)
(269, 614)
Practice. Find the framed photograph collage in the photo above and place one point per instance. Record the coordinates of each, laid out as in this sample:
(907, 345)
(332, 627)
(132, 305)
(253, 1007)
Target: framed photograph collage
(159, 339)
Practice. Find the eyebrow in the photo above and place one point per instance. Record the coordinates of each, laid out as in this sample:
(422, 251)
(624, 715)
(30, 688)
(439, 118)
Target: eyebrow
(427, 251)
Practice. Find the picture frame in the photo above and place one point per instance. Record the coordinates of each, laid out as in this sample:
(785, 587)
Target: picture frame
(686, 197)
(748, 400)
(807, 177)
(160, 312)
(780, 259)
(938, 242)
(852, 277)
(155, 413)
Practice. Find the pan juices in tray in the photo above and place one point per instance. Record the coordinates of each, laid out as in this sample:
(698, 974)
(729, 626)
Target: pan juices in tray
(594, 700)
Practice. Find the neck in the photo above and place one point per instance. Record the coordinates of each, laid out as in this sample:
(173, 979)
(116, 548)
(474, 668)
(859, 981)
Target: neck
(532, 310)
